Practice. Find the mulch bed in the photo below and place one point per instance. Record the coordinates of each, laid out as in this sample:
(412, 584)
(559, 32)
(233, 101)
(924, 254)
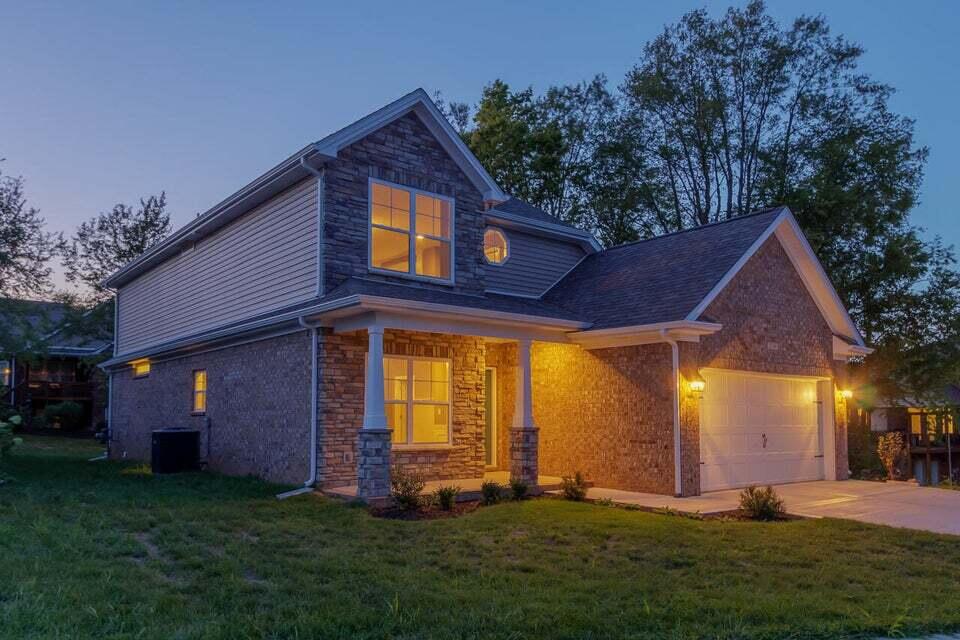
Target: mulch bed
(424, 513)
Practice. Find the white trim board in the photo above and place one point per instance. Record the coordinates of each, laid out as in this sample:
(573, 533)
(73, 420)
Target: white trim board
(809, 269)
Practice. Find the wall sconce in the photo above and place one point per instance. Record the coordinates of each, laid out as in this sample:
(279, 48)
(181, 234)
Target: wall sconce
(846, 394)
(697, 387)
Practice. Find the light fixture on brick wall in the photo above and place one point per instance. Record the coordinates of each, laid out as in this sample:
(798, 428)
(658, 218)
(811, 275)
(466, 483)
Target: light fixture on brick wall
(846, 394)
(697, 387)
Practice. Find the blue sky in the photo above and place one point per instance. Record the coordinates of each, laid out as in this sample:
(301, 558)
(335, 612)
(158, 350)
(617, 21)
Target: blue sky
(104, 102)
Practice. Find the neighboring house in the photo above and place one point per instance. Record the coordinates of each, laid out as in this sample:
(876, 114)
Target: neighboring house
(60, 372)
(930, 435)
(376, 300)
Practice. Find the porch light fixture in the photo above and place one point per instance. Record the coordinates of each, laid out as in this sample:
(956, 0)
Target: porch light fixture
(846, 394)
(697, 387)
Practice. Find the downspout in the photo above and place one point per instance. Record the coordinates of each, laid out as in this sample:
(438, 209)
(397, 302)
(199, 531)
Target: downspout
(13, 381)
(677, 467)
(314, 421)
(320, 174)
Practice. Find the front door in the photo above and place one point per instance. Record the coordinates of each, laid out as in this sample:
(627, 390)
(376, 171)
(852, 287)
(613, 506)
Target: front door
(490, 409)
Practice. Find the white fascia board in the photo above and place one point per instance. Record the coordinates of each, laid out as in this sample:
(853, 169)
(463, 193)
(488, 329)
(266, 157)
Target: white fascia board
(434, 323)
(452, 314)
(678, 330)
(539, 227)
(808, 267)
(843, 350)
(419, 102)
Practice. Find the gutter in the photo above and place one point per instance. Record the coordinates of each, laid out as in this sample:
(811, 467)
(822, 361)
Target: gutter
(314, 420)
(677, 467)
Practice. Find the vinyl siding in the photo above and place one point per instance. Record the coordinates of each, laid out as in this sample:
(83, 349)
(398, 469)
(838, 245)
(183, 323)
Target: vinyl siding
(534, 263)
(264, 260)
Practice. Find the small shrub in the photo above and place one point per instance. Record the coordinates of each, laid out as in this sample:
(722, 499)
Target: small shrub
(603, 502)
(890, 448)
(446, 496)
(518, 489)
(405, 489)
(69, 415)
(761, 503)
(574, 488)
(491, 492)
(7, 439)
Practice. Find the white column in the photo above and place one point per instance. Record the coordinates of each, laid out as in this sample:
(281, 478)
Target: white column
(523, 412)
(374, 415)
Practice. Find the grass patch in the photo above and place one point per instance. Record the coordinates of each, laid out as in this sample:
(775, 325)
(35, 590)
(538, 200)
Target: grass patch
(89, 551)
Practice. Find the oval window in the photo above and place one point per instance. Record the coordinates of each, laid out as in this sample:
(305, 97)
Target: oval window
(495, 247)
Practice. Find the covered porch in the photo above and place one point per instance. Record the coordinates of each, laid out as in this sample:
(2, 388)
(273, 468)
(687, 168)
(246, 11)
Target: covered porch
(441, 392)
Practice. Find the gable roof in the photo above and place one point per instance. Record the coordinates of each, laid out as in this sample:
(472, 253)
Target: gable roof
(303, 164)
(47, 320)
(518, 207)
(523, 215)
(676, 276)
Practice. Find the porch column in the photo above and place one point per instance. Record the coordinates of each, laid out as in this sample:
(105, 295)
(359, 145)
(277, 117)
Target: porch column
(524, 434)
(373, 444)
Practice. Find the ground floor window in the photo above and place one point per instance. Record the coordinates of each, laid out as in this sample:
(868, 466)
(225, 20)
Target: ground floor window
(200, 391)
(417, 399)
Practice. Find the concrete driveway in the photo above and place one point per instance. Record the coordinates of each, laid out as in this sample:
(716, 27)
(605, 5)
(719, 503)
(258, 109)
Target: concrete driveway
(895, 504)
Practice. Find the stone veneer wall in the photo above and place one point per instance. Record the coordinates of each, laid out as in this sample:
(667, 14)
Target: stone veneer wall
(406, 153)
(258, 407)
(342, 361)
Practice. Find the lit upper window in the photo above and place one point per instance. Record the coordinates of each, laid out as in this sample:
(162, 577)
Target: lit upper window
(418, 413)
(141, 368)
(410, 231)
(495, 247)
(4, 373)
(200, 391)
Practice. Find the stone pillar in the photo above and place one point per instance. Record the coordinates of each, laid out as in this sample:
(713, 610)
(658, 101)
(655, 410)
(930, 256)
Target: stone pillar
(524, 434)
(373, 445)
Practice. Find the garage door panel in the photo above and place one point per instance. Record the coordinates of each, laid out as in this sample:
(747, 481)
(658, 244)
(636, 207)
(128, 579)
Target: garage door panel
(758, 430)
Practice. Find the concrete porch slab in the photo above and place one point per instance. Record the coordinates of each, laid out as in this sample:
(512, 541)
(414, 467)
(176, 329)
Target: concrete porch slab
(895, 504)
(469, 487)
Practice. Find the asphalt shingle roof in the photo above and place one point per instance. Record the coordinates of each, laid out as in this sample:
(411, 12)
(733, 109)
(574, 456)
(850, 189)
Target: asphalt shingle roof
(660, 279)
(518, 207)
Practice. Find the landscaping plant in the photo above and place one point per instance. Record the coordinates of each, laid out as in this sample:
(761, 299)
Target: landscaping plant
(405, 489)
(574, 488)
(762, 503)
(491, 491)
(446, 496)
(518, 489)
(67, 414)
(8, 440)
(890, 448)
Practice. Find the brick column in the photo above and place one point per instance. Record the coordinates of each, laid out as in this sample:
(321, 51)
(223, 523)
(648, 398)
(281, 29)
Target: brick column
(524, 434)
(373, 445)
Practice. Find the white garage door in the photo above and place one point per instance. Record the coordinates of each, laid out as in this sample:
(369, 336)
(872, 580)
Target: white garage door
(758, 430)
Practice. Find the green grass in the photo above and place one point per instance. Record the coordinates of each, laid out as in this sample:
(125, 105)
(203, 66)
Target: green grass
(99, 549)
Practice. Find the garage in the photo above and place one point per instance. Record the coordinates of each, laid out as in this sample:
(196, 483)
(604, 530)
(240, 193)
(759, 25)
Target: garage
(759, 429)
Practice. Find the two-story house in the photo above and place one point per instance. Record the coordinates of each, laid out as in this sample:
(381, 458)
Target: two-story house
(376, 301)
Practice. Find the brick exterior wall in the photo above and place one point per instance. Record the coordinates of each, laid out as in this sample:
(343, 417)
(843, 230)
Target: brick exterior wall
(607, 413)
(342, 358)
(258, 407)
(406, 153)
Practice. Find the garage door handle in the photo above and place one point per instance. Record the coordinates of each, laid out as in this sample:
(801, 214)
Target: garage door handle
(764, 441)
(818, 456)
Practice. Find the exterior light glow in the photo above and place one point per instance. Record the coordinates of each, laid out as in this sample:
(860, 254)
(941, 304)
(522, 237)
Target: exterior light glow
(697, 386)
(847, 394)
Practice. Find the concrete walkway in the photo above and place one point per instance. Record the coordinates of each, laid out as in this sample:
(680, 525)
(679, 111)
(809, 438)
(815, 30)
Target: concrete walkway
(896, 504)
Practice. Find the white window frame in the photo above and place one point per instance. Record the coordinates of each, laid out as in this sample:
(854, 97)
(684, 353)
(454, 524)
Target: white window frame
(409, 443)
(506, 240)
(411, 271)
(195, 392)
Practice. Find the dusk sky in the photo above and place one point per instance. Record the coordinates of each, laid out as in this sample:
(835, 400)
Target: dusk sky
(103, 103)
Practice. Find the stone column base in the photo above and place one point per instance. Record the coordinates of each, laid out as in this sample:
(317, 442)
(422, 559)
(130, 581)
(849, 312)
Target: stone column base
(523, 455)
(373, 464)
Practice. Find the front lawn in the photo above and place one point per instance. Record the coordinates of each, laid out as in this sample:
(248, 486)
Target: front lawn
(98, 549)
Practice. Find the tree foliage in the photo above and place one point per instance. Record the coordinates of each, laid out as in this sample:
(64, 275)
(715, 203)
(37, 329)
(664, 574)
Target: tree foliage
(106, 242)
(25, 247)
(723, 116)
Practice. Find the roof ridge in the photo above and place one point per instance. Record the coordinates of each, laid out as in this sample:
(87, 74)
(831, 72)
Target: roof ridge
(716, 223)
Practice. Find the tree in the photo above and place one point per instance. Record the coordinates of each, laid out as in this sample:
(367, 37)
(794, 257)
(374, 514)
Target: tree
(104, 243)
(25, 247)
